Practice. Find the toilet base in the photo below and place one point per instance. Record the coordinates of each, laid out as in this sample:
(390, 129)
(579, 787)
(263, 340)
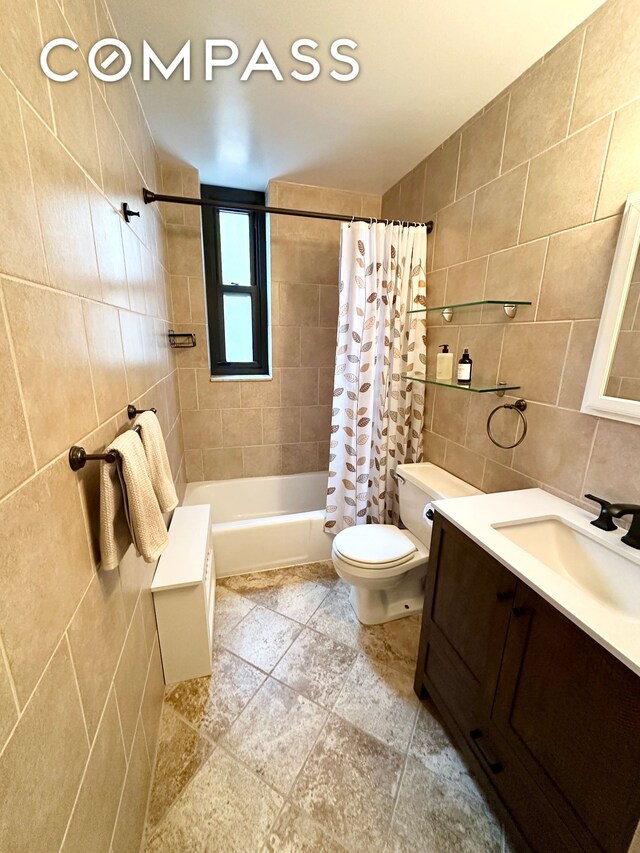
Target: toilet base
(375, 606)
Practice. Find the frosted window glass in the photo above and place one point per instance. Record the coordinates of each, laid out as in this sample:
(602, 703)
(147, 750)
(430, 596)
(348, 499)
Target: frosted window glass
(238, 334)
(235, 248)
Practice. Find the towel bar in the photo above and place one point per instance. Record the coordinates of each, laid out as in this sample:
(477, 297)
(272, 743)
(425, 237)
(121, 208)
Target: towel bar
(132, 411)
(78, 456)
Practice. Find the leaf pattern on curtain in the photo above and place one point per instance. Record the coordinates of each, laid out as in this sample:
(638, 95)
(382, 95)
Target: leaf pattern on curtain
(377, 415)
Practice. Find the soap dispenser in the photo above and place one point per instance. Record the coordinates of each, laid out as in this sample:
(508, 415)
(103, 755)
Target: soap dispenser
(444, 364)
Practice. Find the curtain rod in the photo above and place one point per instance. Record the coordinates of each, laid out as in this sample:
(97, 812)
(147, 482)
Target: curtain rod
(149, 197)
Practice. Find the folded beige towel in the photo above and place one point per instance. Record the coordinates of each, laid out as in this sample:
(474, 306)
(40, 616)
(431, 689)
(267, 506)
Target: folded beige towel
(129, 510)
(159, 468)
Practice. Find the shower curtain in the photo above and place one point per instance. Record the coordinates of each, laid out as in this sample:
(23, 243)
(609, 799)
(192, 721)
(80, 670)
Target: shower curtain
(377, 414)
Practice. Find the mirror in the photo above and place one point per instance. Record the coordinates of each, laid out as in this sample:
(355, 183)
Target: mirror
(624, 373)
(613, 384)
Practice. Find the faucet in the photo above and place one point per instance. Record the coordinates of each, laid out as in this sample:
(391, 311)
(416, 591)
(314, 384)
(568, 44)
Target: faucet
(609, 511)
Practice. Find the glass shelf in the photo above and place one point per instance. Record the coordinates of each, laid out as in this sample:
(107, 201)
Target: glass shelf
(509, 306)
(476, 387)
(470, 304)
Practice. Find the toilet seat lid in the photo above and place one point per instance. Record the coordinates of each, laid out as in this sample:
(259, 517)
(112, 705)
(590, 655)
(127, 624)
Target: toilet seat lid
(374, 544)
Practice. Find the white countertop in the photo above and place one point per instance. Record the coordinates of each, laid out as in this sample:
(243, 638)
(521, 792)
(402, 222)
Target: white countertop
(476, 516)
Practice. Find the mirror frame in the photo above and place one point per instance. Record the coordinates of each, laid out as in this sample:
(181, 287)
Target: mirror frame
(595, 401)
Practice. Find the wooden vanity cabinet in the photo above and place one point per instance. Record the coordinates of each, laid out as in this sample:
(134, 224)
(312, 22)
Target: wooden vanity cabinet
(548, 719)
(469, 607)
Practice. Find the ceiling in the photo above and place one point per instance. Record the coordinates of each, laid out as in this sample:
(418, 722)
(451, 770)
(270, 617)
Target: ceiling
(425, 67)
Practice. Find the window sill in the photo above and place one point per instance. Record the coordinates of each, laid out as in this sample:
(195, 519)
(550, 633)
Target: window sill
(245, 378)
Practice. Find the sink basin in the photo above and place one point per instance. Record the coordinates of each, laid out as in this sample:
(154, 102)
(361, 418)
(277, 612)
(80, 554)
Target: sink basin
(604, 573)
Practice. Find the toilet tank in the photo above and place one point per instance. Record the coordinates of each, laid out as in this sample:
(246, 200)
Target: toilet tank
(420, 484)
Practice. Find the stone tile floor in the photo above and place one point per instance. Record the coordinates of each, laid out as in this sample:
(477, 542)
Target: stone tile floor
(308, 736)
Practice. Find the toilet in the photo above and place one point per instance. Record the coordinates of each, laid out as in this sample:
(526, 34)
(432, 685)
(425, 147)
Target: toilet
(385, 566)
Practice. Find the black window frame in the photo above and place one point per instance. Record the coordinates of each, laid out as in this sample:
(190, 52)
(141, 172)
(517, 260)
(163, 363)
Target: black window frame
(215, 289)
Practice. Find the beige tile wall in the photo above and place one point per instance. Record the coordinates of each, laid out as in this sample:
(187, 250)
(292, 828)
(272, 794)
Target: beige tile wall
(527, 198)
(278, 426)
(84, 311)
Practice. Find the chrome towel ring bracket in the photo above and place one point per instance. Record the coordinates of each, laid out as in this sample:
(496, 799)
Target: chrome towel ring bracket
(520, 407)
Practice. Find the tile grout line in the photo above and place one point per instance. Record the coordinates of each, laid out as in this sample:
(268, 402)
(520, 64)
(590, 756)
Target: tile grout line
(457, 180)
(93, 385)
(154, 767)
(12, 686)
(583, 482)
(524, 202)
(124, 781)
(506, 126)
(49, 92)
(473, 216)
(23, 405)
(565, 361)
(127, 757)
(126, 372)
(577, 80)
(20, 100)
(140, 726)
(605, 158)
(75, 678)
(541, 281)
(403, 771)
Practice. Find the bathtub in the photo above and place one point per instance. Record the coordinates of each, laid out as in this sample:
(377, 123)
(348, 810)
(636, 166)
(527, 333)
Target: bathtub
(262, 523)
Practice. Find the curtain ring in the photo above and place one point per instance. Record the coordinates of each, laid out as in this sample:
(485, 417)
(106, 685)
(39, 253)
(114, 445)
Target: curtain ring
(519, 406)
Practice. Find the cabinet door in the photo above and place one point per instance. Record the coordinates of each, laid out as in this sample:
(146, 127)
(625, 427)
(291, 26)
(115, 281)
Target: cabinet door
(571, 713)
(468, 599)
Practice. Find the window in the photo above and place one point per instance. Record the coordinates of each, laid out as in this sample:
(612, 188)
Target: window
(235, 263)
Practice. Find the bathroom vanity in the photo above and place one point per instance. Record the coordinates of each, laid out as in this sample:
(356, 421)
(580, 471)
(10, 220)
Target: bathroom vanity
(530, 649)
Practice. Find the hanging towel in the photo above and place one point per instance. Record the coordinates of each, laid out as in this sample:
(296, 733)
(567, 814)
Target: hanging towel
(158, 461)
(129, 510)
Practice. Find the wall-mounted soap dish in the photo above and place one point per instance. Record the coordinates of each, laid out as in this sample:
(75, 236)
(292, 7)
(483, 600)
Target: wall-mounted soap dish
(181, 340)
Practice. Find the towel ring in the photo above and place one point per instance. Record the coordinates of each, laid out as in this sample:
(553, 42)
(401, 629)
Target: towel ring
(520, 407)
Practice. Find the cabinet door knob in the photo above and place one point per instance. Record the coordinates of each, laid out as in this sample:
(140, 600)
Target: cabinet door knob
(505, 595)
(519, 611)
